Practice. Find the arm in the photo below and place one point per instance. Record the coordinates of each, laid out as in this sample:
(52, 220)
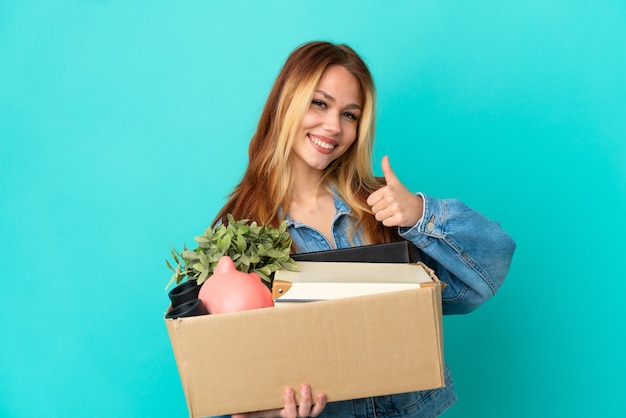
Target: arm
(468, 252)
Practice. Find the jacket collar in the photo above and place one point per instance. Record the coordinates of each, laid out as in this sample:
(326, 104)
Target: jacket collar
(341, 208)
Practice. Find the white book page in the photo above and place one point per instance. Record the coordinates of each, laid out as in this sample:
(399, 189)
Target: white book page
(306, 292)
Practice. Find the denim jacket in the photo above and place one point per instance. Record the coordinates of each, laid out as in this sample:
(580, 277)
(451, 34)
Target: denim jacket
(469, 253)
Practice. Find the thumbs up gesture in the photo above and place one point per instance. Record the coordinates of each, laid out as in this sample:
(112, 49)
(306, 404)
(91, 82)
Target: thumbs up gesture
(394, 204)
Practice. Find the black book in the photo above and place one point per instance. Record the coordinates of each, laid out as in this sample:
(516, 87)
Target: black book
(393, 252)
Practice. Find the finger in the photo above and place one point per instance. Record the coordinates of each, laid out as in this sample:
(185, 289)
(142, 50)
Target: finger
(379, 211)
(374, 197)
(290, 409)
(305, 401)
(387, 218)
(320, 403)
(391, 221)
(390, 176)
(386, 207)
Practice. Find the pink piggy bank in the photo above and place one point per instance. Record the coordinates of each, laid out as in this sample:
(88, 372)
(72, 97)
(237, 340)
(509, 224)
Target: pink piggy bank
(230, 290)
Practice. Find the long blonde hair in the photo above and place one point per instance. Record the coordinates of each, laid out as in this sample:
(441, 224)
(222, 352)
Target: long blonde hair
(264, 193)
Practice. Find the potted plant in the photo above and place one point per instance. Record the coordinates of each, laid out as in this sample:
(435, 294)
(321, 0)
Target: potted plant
(253, 248)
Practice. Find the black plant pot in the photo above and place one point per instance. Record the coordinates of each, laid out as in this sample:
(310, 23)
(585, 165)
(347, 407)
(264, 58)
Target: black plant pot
(193, 307)
(184, 292)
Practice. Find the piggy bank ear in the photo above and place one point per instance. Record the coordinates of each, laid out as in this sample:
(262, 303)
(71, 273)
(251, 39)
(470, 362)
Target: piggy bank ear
(255, 275)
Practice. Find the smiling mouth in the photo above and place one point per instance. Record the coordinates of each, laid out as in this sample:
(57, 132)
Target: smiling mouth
(322, 144)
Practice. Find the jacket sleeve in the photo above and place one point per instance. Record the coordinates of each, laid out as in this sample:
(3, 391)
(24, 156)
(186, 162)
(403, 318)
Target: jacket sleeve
(469, 253)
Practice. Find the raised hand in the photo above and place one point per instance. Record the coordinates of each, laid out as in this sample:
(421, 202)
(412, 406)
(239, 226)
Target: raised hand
(393, 204)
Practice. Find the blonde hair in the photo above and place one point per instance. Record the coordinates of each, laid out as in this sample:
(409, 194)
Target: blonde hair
(264, 193)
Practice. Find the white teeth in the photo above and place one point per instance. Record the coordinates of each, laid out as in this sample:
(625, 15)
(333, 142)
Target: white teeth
(322, 144)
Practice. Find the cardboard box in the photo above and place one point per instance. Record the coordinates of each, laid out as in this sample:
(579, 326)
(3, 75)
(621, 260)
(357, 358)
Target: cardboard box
(347, 348)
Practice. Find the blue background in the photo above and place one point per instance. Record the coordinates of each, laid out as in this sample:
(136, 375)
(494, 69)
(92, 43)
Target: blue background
(123, 125)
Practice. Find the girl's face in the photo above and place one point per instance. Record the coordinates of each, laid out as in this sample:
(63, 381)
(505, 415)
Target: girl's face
(330, 125)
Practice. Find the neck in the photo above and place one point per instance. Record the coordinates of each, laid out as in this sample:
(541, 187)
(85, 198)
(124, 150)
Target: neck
(307, 184)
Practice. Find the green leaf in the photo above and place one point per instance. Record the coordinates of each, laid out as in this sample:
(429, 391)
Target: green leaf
(241, 242)
(234, 256)
(175, 255)
(274, 253)
(203, 276)
(243, 267)
(220, 232)
(273, 267)
(265, 270)
(263, 276)
(172, 279)
(190, 255)
(223, 243)
(290, 265)
(199, 267)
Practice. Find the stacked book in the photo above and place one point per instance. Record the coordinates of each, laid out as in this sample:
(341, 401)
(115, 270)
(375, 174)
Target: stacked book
(350, 272)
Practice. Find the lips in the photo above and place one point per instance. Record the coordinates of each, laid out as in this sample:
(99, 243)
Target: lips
(322, 143)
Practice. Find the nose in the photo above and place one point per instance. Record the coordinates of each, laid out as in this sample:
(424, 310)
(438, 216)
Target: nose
(332, 123)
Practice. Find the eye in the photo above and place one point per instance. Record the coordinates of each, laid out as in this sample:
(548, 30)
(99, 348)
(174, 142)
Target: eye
(350, 115)
(319, 103)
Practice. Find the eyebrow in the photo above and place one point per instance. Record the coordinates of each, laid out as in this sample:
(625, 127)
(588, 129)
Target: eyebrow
(332, 99)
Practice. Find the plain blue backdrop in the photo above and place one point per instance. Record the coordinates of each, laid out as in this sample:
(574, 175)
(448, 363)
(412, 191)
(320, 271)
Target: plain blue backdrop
(124, 124)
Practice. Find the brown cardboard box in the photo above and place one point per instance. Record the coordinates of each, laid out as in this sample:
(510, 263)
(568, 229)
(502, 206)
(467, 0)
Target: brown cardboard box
(347, 348)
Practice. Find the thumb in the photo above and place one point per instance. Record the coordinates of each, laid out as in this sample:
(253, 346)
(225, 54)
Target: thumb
(390, 176)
